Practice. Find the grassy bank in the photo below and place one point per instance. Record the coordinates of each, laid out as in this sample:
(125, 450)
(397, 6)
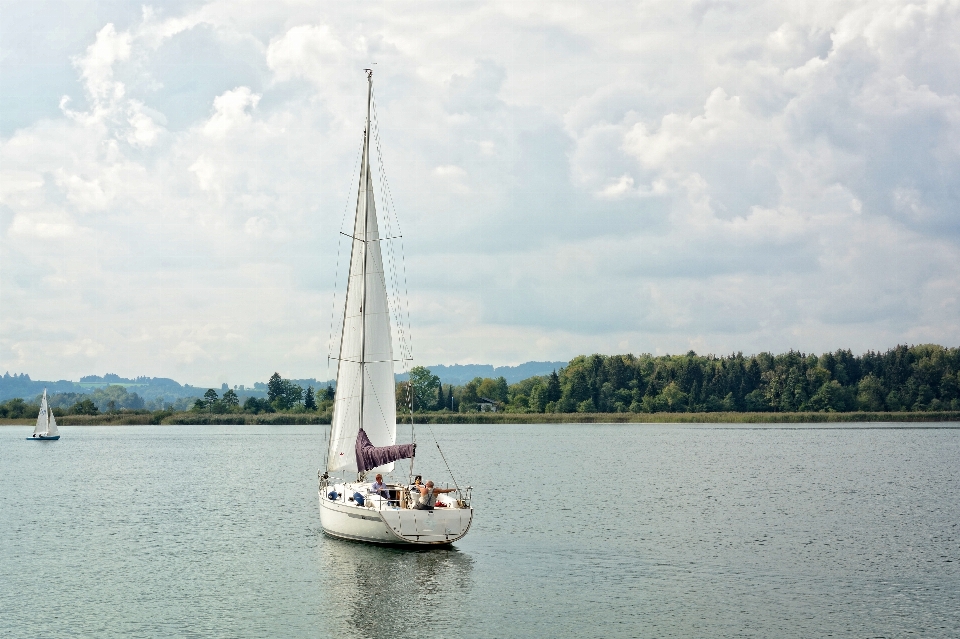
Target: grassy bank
(190, 418)
(682, 418)
(176, 419)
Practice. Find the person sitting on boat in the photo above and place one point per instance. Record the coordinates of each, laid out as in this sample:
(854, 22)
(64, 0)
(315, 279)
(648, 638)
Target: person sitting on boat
(380, 488)
(428, 496)
(417, 483)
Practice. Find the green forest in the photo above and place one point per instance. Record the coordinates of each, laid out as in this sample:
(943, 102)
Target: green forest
(914, 378)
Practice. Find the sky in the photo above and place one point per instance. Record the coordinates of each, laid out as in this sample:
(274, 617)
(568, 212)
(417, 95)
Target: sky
(568, 178)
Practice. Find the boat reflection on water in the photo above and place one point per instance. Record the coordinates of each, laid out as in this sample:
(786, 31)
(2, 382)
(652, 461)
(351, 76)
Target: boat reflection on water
(379, 591)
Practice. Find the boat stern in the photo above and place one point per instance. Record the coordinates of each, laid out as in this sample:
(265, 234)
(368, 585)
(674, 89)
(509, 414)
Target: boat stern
(428, 527)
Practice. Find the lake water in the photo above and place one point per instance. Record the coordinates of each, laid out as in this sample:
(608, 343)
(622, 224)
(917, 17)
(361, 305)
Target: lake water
(580, 531)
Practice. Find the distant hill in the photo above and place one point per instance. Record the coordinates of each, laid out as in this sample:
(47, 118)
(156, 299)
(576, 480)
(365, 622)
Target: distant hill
(459, 374)
(148, 388)
(166, 389)
(22, 386)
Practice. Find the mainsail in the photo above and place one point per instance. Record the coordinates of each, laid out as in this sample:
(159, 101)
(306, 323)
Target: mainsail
(43, 422)
(365, 395)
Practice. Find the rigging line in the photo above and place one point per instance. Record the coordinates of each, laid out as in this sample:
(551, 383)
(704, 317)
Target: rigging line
(393, 300)
(388, 192)
(405, 333)
(406, 291)
(333, 309)
(364, 148)
(404, 339)
(380, 407)
(379, 239)
(343, 398)
(336, 277)
(413, 431)
(444, 457)
(390, 207)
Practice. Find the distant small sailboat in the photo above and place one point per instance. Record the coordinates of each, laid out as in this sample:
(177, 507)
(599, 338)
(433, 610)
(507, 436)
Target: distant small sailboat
(364, 425)
(46, 428)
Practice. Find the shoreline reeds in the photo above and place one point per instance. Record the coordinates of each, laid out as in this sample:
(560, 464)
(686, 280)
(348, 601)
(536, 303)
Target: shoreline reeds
(200, 419)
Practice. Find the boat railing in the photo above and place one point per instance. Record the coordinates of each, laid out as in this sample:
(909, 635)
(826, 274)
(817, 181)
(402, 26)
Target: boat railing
(405, 499)
(401, 496)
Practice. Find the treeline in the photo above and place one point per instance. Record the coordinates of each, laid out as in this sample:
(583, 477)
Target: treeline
(109, 400)
(283, 396)
(923, 378)
(916, 378)
(114, 399)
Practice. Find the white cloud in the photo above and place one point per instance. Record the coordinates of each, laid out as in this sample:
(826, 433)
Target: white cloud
(96, 66)
(303, 51)
(206, 172)
(42, 226)
(86, 347)
(144, 130)
(231, 111)
(617, 189)
(20, 188)
(85, 193)
(256, 226)
(450, 171)
(663, 175)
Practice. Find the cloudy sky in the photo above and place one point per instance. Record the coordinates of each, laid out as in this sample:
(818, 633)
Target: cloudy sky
(569, 178)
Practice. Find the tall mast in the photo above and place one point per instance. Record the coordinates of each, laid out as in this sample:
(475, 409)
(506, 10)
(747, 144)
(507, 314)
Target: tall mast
(365, 170)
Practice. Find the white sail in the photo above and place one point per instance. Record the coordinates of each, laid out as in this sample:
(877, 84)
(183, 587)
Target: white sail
(43, 421)
(365, 383)
(52, 427)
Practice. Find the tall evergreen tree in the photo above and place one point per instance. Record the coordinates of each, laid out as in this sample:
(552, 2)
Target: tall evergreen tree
(275, 387)
(309, 401)
(230, 398)
(553, 387)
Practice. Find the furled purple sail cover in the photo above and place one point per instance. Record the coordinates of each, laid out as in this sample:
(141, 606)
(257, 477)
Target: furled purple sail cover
(370, 456)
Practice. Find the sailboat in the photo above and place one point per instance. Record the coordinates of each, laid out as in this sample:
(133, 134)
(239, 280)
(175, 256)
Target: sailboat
(46, 428)
(363, 429)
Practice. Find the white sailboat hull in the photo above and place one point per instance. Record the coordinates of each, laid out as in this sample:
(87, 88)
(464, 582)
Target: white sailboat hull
(393, 526)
